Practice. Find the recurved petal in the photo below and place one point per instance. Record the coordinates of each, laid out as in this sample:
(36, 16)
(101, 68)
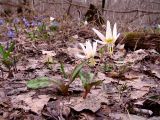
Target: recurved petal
(100, 42)
(116, 37)
(115, 30)
(99, 34)
(108, 31)
(84, 49)
(80, 56)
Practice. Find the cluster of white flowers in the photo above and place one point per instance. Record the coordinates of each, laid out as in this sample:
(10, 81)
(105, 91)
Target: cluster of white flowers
(108, 40)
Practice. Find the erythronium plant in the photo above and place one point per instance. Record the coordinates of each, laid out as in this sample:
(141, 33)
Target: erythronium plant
(88, 82)
(89, 52)
(61, 85)
(110, 38)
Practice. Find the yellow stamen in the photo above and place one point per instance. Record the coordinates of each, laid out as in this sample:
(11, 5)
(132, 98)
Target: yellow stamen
(109, 41)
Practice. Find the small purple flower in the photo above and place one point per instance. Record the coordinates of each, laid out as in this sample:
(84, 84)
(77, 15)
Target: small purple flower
(16, 20)
(24, 19)
(11, 34)
(26, 22)
(36, 18)
(1, 21)
(34, 23)
(39, 23)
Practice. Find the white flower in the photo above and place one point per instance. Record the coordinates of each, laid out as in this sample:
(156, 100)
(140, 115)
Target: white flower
(88, 49)
(158, 26)
(52, 18)
(85, 22)
(110, 37)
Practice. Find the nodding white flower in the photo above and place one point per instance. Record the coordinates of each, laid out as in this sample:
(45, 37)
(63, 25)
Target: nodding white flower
(88, 49)
(52, 18)
(110, 37)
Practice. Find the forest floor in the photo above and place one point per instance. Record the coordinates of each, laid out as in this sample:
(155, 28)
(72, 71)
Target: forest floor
(130, 87)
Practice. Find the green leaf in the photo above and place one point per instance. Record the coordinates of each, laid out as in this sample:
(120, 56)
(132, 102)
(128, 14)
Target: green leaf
(95, 83)
(7, 63)
(86, 78)
(62, 70)
(11, 48)
(53, 28)
(5, 54)
(76, 71)
(1, 50)
(32, 35)
(39, 83)
(42, 28)
(107, 67)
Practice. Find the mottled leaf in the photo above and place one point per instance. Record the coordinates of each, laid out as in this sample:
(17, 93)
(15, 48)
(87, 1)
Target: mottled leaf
(39, 83)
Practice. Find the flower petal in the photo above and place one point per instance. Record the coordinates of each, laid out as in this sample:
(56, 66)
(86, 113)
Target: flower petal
(94, 47)
(80, 56)
(89, 49)
(100, 42)
(88, 46)
(84, 49)
(115, 31)
(116, 37)
(100, 35)
(108, 31)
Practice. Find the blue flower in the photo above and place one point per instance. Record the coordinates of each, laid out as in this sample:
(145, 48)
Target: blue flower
(1, 21)
(11, 33)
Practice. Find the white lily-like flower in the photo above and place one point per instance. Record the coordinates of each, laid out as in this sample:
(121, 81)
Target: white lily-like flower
(110, 37)
(88, 49)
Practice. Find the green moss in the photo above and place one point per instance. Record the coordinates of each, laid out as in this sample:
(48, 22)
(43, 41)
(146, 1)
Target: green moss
(133, 35)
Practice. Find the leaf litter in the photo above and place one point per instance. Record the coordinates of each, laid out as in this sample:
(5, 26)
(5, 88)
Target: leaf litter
(110, 100)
